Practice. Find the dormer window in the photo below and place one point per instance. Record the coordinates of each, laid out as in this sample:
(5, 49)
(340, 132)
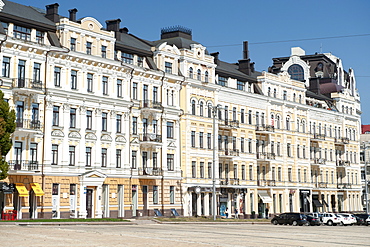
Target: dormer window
(140, 61)
(103, 51)
(5, 26)
(222, 81)
(127, 58)
(21, 33)
(39, 37)
(240, 85)
(168, 67)
(191, 73)
(296, 72)
(206, 76)
(88, 48)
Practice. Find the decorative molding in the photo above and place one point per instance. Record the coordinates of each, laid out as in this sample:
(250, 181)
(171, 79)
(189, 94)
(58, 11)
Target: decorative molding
(57, 133)
(90, 136)
(74, 134)
(120, 139)
(106, 138)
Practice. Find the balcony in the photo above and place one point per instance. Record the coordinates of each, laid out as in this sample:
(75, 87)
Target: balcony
(228, 153)
(341, 140)
(27, 84)
(265, 156)
(265, 128)
(344, 186)
(151, 104)
(28, 124)
(323, 185)
(229, 124)
(343, 163)
(319, 161)
(151, 138)
(23, 165)
(318, 137)
(149, 171)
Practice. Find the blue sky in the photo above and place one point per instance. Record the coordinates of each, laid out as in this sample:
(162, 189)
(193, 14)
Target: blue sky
(218, 23)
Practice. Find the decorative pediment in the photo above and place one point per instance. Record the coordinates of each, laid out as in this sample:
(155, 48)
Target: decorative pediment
(171, 144)
(74, 134)
(106, 138)
(92, 178)
(57, 133)
(90, 136)
(121, 139)
(92, 23)
(135, 140)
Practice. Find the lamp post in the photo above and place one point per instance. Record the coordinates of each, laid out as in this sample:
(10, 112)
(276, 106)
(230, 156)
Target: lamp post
(214, 114)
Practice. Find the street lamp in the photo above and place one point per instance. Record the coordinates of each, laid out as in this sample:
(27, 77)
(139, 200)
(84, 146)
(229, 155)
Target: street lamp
(214, 114)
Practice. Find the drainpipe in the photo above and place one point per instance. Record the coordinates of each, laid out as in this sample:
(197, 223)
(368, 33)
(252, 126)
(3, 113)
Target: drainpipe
(43, 143)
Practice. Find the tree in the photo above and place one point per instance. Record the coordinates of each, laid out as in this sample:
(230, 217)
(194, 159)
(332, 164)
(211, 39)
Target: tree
(7, 127)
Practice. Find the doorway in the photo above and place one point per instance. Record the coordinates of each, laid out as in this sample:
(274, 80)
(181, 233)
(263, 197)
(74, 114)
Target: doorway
(89, 202)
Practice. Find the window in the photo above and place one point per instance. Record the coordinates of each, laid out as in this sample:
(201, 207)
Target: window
(299, 175)
(104, 125)
(235, 171)
(88, 48)
(284, 95)
(242, 144)
(22, 33)
(242, 115)
(274, 92)
(172, 194)
(155, 94)
(199, 75)
(170, 130)
(155, 194)
(170, 162)
(191, 72)
(288, 150)
(220, 170)
(193, 107)
(127, 58)
(57, 76)
(278, 149)
(250, 172)
(168, 67)
(250, 145)
(144, 157)
(134, 125)
(201, 169)
(39, 37)
(269, 92)
(290, 174)
(155, 160)
(279, 173)
(21, 73)
(54, 154)
(73, 44)
(103, 51)
(89, 82)
(296, 72)
(209, 169)
(6, 66)
(145, 126)
(88, 120)
(193, 139)
(119, 123)
(222, 81)
(55, 115)
(240, 85)
(105, 85)
(55, 189)
(103, 157)
(73, 79)
(140, 61)
(193, 169)
(201, 139)
(209, 145)
(155, 126)
(134, 90)
(72, 155)
(119, 88)
(243, 172)
(134, 159)
(250, 117)
(206, 79)
(88, 156)
(35, 116)
(72, 118)
(201, 108)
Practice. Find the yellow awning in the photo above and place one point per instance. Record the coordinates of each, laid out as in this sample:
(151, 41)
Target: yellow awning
(22, 191)
(37, 189)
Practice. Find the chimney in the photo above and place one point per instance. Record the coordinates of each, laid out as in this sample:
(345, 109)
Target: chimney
(113, 25)
(124, 30)
(52, 12)
(72, 14)
(215, 55)
(245, 64)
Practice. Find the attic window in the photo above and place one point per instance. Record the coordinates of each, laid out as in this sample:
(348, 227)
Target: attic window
(296, 72)
(22, 33)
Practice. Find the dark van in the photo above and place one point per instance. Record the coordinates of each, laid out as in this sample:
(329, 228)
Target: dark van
(289, 218)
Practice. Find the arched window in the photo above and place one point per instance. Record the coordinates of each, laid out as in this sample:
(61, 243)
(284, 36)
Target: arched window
(272, 120)
(303, 126)
(297, 124)
(274, 92)
(193, 107)
(206, 76)
(269, 92)
(201, 105)
(294, 97)
(296, 72)
(199, 75)
(278, 122)
(288, 123)
(191, 72)
(300, 99)
(209, 110)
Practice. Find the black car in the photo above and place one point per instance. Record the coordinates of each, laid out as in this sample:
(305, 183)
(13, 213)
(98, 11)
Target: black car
(313, 221)
(289, 218)
(363, 217)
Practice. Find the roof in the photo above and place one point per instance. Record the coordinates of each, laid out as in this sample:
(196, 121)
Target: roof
(179, 42)
(326, 88)
(133, 44)
(317, 96)
(24, 14)
(231, 70)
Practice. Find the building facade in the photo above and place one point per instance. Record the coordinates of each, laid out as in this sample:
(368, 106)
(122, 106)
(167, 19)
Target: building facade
(111, 125)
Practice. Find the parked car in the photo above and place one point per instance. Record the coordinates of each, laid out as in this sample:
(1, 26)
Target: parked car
(345, 219)
(330, 219)
(289, 218)
(315, 215)
(365, 217)
(360, 221)
(313, 221)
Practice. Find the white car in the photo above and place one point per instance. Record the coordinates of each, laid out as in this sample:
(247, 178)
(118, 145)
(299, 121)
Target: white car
(344, 219)
(368, 221)
(330, 219)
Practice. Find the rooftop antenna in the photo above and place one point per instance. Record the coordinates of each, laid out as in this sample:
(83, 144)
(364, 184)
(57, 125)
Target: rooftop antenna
(321, 48)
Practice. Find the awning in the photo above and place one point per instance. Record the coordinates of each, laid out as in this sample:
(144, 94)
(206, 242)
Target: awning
(37, 189)
(317, 203)
(323, 201)
(22, 191)
(265, 197)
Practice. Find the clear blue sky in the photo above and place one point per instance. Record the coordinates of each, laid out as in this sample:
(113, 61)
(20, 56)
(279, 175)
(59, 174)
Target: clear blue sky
(220, 22)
